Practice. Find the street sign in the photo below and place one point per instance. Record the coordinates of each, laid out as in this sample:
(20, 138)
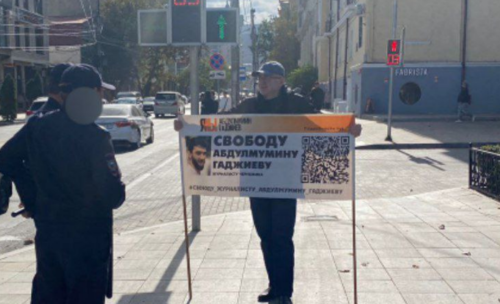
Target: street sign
(214, 75)
(186, 18)
(222, 26)
(153, 28)
(394, 53)
(243, 73)
(217, 61)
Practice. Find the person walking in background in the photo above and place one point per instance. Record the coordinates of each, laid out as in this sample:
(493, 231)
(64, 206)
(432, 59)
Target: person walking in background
(317, 97)
(208, 104)
(464, 102)
(225, 102)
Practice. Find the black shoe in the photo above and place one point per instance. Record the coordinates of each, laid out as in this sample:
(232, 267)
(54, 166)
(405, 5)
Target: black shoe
(281, 300)
(266, 296)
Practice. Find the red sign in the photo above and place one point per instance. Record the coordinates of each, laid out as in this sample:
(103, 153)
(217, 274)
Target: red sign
(186, 2)
(394, 52)
(217, 61)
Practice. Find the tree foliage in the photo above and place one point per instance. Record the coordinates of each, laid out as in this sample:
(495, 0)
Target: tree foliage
(8, 102)
(124, 62)
(305, 77)
(265, 40)
(285, 46)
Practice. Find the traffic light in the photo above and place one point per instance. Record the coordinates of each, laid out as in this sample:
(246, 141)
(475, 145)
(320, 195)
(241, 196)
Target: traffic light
(222, 26)
(186, 21)
(153, 27)
(394, 52)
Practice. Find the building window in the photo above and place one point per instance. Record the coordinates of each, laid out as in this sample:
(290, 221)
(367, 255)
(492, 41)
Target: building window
(410, 93)
(27, 37)
(26, 5)
(18, 35)
(39, 41)
(17, 3)
(3, 29)
(360, 34)
(39, 7)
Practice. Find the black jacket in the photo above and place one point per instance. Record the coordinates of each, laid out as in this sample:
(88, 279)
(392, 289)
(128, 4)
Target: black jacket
(50, 106)
(209, 106)
(285, 103)
(73, 177)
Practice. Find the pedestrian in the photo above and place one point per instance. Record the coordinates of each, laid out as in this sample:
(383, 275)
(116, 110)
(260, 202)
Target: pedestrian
(208, 104)
(74, 184)
(317, 97)
(274, 218)
(464, 102)
(225, 102)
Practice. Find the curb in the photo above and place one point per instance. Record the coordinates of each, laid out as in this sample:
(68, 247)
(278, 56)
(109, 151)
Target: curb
(424, 146)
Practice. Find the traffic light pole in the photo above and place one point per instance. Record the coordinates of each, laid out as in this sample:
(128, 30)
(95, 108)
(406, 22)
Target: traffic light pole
(235, 65)
(195, 110)
(391, 80)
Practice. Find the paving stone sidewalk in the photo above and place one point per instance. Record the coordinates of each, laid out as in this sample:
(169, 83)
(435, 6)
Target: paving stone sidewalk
(429, 132)
(441, 247)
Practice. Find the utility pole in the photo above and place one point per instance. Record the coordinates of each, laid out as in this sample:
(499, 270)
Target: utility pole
(391, 80)
(235, 64)
(255, 49)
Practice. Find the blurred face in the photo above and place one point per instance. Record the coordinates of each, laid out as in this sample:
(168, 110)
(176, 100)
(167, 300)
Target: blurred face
(199, 157)
(270, 85)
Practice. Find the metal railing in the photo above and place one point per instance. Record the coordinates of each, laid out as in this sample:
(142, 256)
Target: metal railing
(484, 172)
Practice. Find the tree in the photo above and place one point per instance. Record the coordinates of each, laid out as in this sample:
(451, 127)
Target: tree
(8, 102)
(305, 77)
(265, 40)
(126, 63)
(285, 46)
(34, 88)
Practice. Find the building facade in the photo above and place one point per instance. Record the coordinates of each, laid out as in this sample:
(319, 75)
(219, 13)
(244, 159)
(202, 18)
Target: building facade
(447, 41)
(24, 52)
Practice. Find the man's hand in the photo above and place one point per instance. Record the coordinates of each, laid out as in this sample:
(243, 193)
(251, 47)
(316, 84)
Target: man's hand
(25, 214)
(356, 130)
(178, 125)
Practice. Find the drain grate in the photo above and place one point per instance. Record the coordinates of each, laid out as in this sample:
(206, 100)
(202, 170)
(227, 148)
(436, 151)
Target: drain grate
(320, 218)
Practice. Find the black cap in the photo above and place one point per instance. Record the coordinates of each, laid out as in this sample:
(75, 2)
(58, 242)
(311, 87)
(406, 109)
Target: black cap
(270, 68)
(83, 75)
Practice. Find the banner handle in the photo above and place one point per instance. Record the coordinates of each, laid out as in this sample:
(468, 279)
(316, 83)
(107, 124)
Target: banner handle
(354, 255)
(186, 236)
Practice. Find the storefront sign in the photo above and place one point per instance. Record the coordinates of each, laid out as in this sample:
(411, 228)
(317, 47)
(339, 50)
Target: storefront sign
(409, 72)
(268, 156)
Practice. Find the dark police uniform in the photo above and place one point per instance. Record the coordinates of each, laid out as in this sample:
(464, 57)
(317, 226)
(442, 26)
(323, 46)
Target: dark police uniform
(274, 219)
(71, 187)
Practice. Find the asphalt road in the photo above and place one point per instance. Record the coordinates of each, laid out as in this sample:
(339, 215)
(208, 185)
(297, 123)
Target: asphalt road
(152, 175)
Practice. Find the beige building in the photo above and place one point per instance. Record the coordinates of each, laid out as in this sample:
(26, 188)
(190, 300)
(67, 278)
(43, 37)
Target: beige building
(446, 41)
(23, 43)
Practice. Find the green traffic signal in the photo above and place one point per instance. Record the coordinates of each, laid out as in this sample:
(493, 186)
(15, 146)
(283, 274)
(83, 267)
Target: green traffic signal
(222, 25)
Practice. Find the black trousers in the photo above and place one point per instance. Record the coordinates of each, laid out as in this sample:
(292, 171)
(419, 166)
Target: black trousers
(72, 266)
(274, 220)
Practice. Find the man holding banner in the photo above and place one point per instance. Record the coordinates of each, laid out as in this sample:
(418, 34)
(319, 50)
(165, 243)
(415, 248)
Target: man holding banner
(259, 156)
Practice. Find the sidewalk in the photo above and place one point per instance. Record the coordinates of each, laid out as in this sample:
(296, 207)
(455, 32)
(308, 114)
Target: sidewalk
(21, 117)
(441, 247)
(427, 134)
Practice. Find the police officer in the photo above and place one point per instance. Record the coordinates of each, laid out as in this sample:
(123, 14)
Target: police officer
(274, 218)
(75, 185)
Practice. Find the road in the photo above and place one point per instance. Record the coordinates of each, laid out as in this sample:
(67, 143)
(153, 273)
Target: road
(154, 187)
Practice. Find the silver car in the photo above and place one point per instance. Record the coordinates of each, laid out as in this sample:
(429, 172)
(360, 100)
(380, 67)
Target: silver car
(127, 124)
(169, 103)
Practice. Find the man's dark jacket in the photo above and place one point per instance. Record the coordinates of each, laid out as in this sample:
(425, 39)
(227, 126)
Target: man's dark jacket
(73, 177)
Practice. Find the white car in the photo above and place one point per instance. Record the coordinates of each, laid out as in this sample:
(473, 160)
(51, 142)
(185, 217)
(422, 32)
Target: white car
(35, 106)
(127, 124)
(130, 100)
(148, 104)
(169, 103)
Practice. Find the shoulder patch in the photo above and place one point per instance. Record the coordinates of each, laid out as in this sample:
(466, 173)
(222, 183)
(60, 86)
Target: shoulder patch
(113, 165)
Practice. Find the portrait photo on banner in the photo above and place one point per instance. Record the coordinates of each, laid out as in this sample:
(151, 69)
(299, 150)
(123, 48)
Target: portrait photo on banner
(198, 151)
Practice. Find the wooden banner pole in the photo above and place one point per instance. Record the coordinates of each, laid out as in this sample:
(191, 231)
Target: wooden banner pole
(354, 253)
(187, 248)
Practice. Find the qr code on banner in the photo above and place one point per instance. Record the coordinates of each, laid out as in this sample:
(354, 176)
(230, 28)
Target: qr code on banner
(325, 160)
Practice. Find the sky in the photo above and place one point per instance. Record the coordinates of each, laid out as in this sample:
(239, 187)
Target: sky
(264, 8)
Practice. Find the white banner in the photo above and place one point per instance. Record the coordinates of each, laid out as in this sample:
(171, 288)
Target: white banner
(268, 156)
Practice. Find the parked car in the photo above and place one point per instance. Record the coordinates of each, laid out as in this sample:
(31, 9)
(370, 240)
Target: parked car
(148, 105)
(128, 94)
(127, 124)
(170, 103)
(130, 100)
(35, 106)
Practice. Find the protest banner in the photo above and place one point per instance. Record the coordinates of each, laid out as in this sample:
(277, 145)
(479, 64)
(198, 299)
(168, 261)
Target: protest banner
(306, 157)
